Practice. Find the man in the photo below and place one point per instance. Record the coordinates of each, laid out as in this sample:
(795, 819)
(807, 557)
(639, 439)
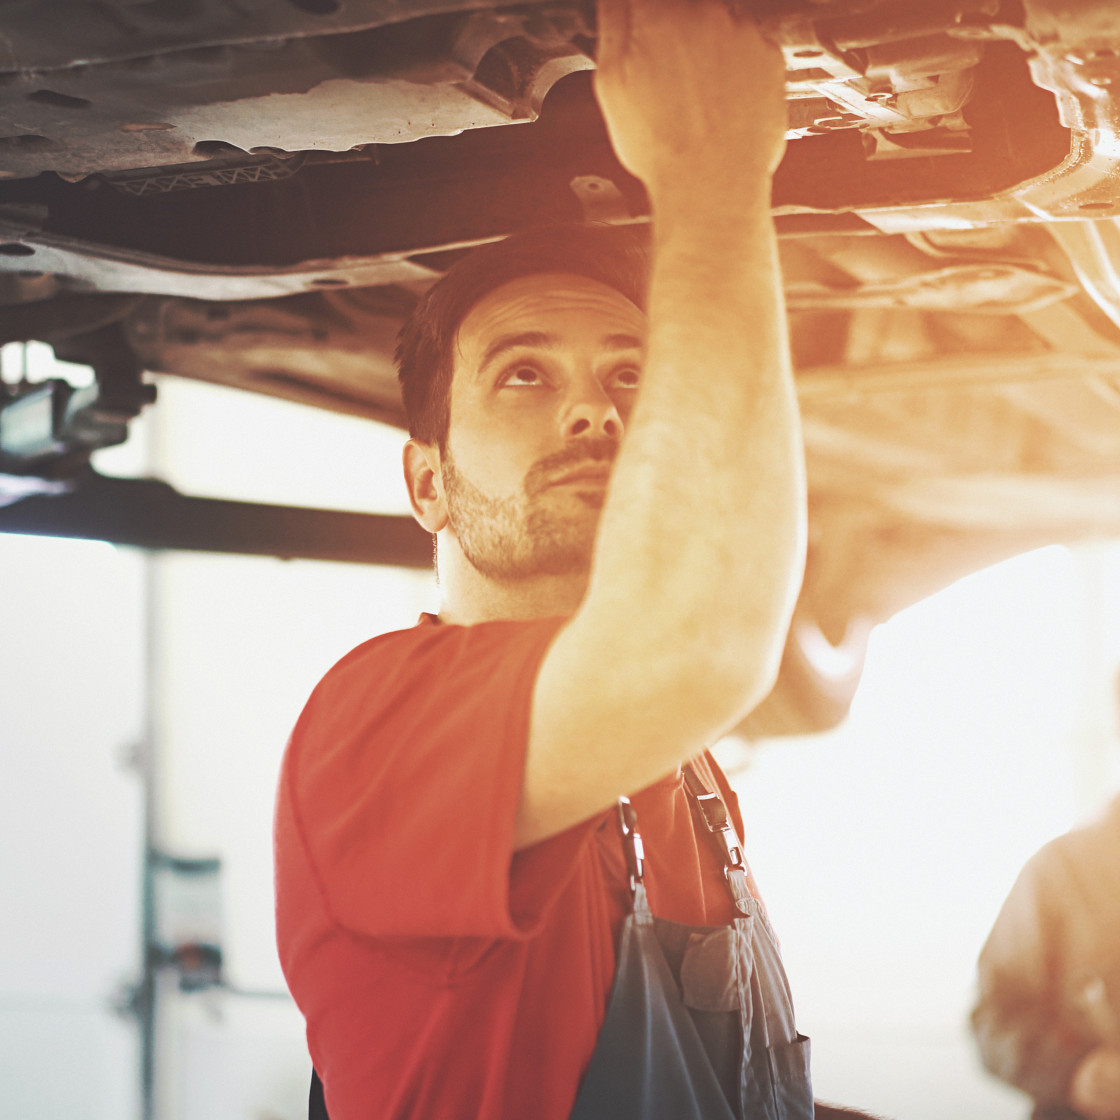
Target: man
(1047, 1018)
(464, 918)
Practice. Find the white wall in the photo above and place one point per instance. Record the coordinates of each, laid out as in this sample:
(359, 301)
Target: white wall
(237, 644)
(70, 827)
(241, 641)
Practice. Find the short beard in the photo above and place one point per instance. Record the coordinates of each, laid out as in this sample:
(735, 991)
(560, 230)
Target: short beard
(516, 537)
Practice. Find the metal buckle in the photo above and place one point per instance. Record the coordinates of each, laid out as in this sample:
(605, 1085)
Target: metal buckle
(735, 858)
(713, 810)
(717, 820)
(631, 842)
(715, 815)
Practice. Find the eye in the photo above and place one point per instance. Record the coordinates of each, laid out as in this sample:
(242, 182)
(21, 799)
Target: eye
(626, 376)
(522, 375)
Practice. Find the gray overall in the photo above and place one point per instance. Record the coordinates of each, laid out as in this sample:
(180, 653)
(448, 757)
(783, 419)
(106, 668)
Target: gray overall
(700, 1021)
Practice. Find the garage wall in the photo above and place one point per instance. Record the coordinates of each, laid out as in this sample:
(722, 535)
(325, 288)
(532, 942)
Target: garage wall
(217, 654)
(240, 643)
(71, 719)
(243, 641)
(70, 827)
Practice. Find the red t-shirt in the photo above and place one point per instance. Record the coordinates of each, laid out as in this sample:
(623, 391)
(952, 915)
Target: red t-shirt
(443, 975)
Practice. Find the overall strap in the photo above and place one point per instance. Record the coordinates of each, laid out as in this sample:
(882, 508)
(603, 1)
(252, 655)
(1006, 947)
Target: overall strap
(728, 847)
(316, 1105)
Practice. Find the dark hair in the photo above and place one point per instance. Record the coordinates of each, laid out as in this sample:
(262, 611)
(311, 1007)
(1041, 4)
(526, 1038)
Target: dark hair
(612, 255)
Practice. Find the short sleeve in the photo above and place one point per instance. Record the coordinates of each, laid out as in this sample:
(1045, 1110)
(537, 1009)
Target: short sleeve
(402, 781)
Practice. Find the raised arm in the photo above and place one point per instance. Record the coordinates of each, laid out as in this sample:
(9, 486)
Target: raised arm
(701, 543)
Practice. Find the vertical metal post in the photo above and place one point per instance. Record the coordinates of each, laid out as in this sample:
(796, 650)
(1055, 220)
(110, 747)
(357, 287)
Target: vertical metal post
(146, 993)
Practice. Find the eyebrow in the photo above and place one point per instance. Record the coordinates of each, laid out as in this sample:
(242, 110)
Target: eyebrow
(542, 340)
(506, 342)
(622, 342)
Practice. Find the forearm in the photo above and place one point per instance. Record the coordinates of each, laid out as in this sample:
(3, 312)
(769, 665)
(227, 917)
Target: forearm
(705, 518)
(701, 541)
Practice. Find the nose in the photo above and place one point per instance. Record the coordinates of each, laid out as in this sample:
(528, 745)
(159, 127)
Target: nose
(592, 413)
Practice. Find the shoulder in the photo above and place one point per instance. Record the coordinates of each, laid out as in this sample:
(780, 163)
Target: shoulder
(400, 694)
(431, 656)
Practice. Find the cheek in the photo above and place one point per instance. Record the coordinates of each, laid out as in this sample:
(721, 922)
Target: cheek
(494, 442)
(495, 458)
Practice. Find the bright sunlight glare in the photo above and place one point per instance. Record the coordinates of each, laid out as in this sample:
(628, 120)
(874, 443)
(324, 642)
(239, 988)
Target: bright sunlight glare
(984, 726)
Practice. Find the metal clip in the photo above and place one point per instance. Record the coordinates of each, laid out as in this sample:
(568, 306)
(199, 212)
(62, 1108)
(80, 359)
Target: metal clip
(714, 812)
(631, 842)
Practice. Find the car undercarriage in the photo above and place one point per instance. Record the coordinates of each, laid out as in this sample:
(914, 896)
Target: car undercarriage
(256, 193)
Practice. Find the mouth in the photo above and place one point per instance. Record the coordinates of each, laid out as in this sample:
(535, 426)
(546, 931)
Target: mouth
(591, 474)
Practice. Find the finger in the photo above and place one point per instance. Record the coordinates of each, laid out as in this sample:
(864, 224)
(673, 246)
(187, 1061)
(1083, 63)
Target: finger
(613, 18)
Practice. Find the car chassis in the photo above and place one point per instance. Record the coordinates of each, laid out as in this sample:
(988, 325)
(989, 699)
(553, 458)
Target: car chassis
(256, 194)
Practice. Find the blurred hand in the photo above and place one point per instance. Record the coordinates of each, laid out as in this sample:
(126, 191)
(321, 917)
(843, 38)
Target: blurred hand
(693, 96)
(1094, 1090)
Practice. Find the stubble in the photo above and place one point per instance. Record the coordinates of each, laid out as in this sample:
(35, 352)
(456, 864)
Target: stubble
(532, 532)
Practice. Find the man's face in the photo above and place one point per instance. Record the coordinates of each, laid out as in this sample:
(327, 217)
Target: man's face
(545, 374)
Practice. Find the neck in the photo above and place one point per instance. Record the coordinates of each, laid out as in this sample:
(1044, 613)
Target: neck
(470, 597)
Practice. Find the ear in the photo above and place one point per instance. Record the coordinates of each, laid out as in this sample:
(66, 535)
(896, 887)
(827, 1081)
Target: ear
(425, 485)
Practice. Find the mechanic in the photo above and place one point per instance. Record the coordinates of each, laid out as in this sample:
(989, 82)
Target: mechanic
(464, 915)
(1047, 1017)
